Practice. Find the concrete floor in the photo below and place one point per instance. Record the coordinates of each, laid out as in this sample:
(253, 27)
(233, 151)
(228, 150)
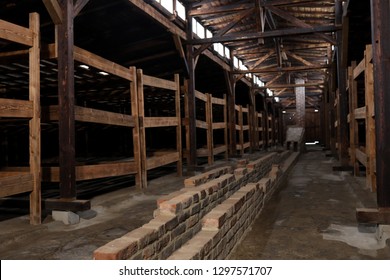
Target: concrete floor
(312, 216)
(304, 220)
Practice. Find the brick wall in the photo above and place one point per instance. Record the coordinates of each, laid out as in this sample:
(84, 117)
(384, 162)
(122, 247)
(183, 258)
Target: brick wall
(198, 207)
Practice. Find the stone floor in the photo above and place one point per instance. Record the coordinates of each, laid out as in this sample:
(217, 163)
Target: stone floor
(312, 216)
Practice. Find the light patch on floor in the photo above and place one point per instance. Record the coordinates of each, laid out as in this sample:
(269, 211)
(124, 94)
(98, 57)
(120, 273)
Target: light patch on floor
(332, 177)
(366, 242)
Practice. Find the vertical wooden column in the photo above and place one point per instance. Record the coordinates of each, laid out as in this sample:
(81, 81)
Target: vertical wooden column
(191, 95)
(136, 128)
(342, 121)
(241, 132)
(35, 122)
(380, 19)
(353, 125)
(265, 124)
(66, 102)
(300, 102)
(178, 128)
(370, 121)
(226, 129)
(141, 130)
(209, 121)
(231, 85)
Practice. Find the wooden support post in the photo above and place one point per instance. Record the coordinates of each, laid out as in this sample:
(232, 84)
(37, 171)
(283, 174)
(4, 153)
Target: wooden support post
(370, 121)
(179, 147)
(139, 180)
(380, 18)
(231, 85)
(35, 122)
(353, 125)
(241, 132)
(209, 121)
(142, 136)
(226, 129)
(66, 102)
(342, 120)
(265, 125)
(192, 155)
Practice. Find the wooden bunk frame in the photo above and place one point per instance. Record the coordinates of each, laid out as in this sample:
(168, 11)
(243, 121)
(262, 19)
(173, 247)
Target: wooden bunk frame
(166, 157)
(364, 155)
(212, 149)
(12, 183)
(242, 128)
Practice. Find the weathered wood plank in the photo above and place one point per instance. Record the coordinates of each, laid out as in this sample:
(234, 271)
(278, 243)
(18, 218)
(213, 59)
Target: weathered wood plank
(159, 83)
(83, 114)
(150, 122)
(73, 205)
(218, 101)
(359, 69)
(209, 121)
(35, 121)
(14, 108)
(179, 147)
(201, 124)
(373, 216)
(103, 64)
(200, 96)
(360, 113)
(219, 125)
(141, 129)
(361, 157)
(87, 172)
(16, 33)
(54, 10)
(16, 184)
(220, 149)
(155, 162)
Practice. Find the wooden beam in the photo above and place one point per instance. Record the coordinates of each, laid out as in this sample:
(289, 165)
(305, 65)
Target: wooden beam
(78, 6)
(283, 69)
(192, 162)
(299, 58)
(267, 34)
(221, 9)
(298, 22)
(35, 121)
(380, 20)
(373, 216)
(285, 2)
(16, 33)
(83, 114)
(54, 10)
(13, 108)
(179, 48)
(258, 62)
(66, 102)
(238, 18)
(16, 184)
(291, 85)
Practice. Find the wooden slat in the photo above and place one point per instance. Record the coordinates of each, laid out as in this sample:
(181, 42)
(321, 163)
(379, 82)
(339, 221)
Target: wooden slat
(14, 108)
(86, 172)
(200, 96)
(83, 114)
(245, 110)
(247, 145)
(202, 152)
(16, 184)
(245, 127)
(373, 216)
(360, 113)
(54, 10)
(160, 122)
(218, 101)
(103, 64)
(159, 83)
(220, 149)
(16, 33)
(201, 124)
(361, 157)
(155, 162)
(219, 125)
(359, 69)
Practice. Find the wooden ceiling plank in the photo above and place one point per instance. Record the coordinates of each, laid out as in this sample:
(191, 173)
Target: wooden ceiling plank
(299, 58)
